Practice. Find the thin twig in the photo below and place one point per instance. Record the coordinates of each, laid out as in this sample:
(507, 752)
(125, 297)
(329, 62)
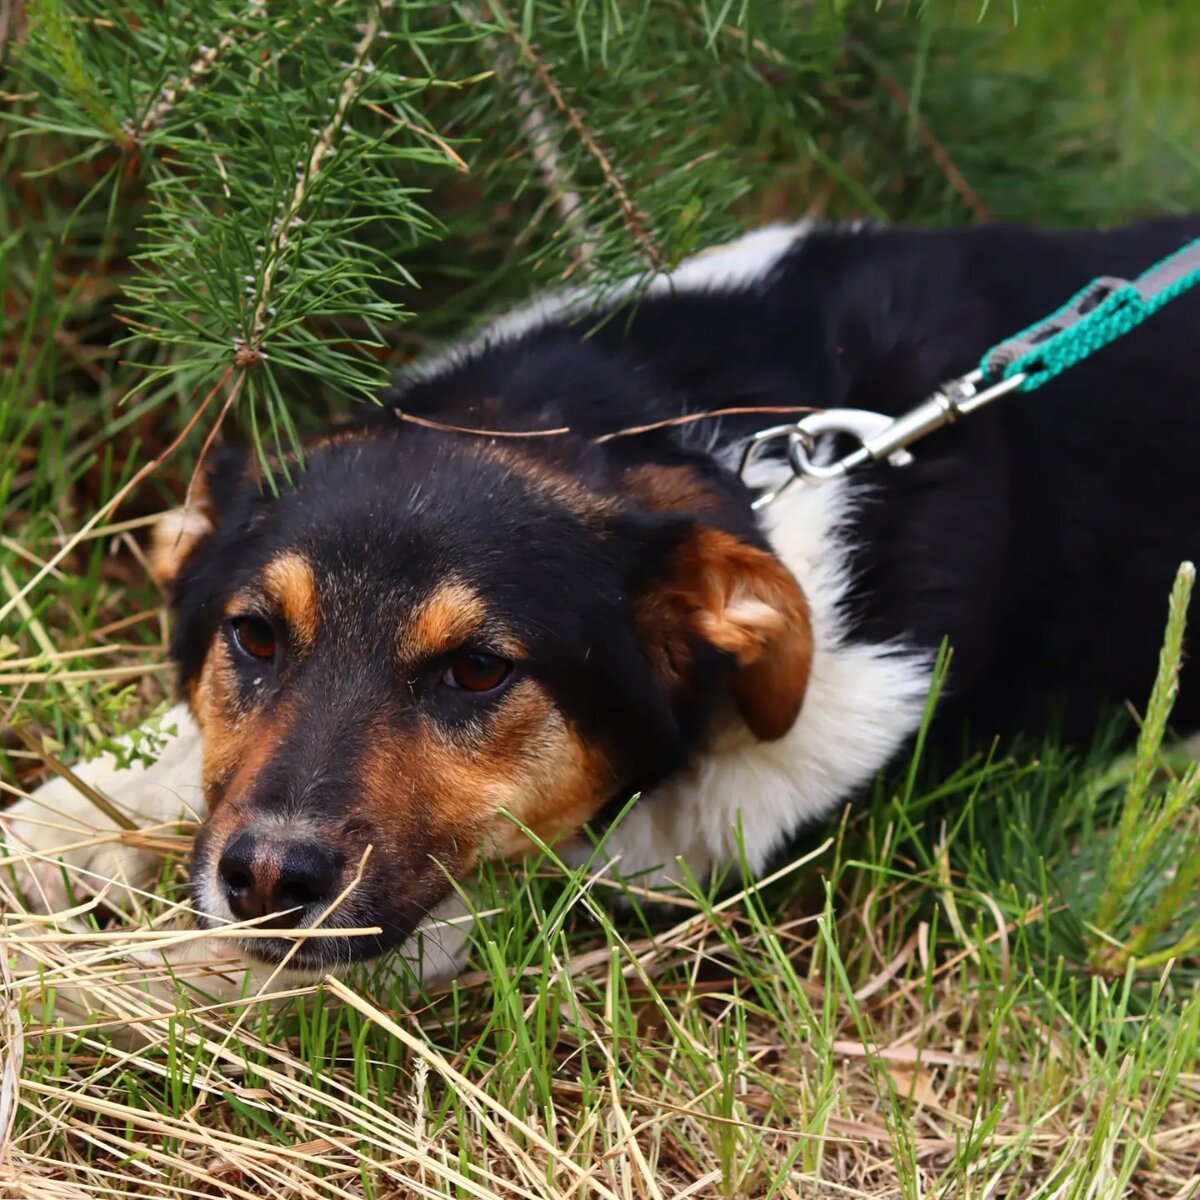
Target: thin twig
(208, 441)
(98, 798)
(630, 431)
(938, 152)
(429, 423)
(688, 418)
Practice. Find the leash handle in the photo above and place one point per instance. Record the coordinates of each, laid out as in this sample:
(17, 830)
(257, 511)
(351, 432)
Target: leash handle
(1108, 308)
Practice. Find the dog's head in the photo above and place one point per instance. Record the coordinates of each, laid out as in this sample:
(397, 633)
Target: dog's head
(424, 642)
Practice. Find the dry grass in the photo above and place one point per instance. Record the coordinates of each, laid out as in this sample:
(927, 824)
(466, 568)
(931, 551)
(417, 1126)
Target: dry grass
(906, 1035)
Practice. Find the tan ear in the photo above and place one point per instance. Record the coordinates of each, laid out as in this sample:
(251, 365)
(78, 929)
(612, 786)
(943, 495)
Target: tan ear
(174, 537)
(742, 600)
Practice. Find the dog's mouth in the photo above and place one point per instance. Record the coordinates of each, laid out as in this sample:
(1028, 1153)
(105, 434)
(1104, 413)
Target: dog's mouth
(311, 955)
(330, 940)
(265, 895)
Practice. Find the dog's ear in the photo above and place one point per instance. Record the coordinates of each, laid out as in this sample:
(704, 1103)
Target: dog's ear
(721, 596)
(181, 530)
(726, 607)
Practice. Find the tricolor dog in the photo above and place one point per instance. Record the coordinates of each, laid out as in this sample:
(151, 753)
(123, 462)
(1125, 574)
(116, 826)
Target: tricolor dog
(499, 603)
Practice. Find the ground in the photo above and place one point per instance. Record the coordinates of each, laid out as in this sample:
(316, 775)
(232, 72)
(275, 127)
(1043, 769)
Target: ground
(982, 986)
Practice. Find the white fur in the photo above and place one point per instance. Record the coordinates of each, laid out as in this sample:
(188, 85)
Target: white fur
(744, 261)
(741, 263)
(863, 702)
(58, 821)
(181, 523)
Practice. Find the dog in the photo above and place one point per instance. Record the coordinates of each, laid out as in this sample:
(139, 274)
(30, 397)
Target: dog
(532, 583)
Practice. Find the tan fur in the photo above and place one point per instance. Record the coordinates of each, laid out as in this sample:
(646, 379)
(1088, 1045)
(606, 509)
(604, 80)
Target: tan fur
(541, 771)
(178, 532)
(173, 538)
(424, 793)
(445, 620)
(336, 437)
(291, 588)
(545, 480)
(237, 745)
(421, 789)
(561, 787)
(670, 489)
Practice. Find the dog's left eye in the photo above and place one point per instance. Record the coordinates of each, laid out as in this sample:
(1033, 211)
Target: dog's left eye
(254, 636)
(477, 671)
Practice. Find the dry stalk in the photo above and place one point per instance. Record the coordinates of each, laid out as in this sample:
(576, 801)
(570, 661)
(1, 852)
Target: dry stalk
(465, 1087)
(12, 1051)
(655, 1135)
(111, 506)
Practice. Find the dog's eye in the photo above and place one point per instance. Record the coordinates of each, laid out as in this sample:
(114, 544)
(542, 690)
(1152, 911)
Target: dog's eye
(254, 636)
(477, 671)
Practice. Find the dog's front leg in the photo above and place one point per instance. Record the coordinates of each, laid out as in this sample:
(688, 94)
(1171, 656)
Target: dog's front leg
(57, 836)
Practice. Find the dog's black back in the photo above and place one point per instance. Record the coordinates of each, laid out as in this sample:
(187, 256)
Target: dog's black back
(1040, 536)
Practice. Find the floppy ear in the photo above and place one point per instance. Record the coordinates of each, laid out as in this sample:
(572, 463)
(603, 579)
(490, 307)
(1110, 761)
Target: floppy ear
(180, 530)
(177, 533)
(736, 598)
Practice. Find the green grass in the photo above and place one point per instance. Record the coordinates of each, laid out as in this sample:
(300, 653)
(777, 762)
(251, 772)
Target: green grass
(911, 1007)
(981, 986)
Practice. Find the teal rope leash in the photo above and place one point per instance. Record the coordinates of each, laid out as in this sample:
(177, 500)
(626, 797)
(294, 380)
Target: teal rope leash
(1099, 314)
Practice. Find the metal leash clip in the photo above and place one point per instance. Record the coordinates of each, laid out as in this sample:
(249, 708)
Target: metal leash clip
(878, 435)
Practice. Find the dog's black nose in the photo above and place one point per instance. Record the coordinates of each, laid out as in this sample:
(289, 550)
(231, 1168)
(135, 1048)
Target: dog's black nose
(262, 876)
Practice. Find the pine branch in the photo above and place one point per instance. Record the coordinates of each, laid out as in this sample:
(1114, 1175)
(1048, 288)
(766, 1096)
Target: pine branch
(251, 351)
(204, 62)
(634, 220)
(271, 194)
(253, 244)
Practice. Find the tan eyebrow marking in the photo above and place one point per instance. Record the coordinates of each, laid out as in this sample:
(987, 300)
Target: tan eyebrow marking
(292, 587)
(445, 619)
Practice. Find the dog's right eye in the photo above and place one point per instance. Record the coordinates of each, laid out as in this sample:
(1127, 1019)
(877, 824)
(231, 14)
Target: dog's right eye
(254, 636)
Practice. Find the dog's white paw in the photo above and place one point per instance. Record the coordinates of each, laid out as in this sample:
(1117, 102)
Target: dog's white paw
(62, 847)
